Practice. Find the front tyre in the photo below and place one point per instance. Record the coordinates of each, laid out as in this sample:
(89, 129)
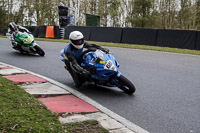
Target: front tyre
(39, 51)
(126, 85)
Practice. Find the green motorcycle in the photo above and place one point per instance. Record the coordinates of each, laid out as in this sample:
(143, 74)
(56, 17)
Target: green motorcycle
(28, 44)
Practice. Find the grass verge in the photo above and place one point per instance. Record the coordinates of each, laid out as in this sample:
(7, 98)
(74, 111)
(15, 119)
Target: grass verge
(21, 112)
(132, 46)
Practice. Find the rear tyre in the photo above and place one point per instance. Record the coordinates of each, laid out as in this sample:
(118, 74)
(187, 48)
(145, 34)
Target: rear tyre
(39, 51)
(126, 85)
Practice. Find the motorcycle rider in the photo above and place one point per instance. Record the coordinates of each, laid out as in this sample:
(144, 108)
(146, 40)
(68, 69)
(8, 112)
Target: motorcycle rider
(72, 54)
(13, 29)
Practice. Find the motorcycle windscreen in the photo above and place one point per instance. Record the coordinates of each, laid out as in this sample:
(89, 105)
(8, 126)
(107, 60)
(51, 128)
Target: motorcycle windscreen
(100, 57)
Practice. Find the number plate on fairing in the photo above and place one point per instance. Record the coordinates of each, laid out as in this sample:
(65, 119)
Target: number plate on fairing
(108, 65)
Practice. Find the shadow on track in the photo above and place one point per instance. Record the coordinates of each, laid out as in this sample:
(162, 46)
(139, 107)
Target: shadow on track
(102, 91)
(18, 54)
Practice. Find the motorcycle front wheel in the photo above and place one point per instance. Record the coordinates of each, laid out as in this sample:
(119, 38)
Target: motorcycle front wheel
(39, 51)
(126, 85)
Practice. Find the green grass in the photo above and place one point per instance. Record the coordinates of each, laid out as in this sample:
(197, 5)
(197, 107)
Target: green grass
(21, 112)
(132, 46)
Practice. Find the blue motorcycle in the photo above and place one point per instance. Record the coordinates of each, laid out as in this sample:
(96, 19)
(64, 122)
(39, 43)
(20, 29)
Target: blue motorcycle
(104, 70)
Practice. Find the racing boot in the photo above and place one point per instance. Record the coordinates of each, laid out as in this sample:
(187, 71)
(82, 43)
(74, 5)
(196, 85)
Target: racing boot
(76, 77)
(15, 45)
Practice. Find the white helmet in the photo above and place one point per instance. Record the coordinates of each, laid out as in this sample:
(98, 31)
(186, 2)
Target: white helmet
(13, 26)
(77, 39)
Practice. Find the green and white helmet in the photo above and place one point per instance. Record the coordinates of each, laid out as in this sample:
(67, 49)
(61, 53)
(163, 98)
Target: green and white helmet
(13, 26)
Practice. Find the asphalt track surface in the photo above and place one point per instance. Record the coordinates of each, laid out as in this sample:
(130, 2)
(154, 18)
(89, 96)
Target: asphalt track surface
(167, 85)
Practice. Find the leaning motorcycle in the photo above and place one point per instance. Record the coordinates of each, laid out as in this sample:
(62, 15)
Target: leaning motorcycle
(28, 43)
(104, 70)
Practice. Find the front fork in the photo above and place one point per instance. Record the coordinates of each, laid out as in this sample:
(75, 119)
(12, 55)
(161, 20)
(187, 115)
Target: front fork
(114, 79)
(32, 48)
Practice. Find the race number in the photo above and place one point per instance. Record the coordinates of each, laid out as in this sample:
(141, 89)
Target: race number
(108, 64)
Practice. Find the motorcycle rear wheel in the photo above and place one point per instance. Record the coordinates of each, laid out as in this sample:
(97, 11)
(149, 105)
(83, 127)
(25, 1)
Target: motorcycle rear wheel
(39, 51)
(126, 85)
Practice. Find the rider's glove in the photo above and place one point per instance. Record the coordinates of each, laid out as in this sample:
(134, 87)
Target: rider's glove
(85, 73)
(105, 50)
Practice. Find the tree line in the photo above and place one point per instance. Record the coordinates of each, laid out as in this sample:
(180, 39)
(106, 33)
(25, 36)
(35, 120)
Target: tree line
(164, 14)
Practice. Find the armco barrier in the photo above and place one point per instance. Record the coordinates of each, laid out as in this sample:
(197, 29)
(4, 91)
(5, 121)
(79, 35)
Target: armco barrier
(33, 30)
(3, 31)
(197, 46)
(106, 34)
(139, 36)
(155, 37)
(56, 32)
(41, 31)
(176, 39)
(83, 29)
